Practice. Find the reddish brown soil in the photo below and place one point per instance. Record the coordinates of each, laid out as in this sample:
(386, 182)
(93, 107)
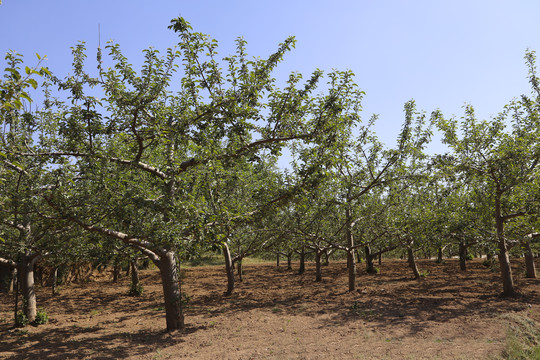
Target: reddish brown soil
(276, 314)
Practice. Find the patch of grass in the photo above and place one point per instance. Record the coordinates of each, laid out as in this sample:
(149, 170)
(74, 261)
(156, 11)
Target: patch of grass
(523, 341)
(205, 260)
(159, 308)
(276, 310)
(257, 260)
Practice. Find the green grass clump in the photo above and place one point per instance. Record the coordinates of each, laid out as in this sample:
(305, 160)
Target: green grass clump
(523, 342)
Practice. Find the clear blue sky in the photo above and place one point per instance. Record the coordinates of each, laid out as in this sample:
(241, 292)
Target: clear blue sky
(443, 54)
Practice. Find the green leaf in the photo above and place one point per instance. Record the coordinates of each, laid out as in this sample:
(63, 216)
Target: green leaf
(33, 82)
(26, 96)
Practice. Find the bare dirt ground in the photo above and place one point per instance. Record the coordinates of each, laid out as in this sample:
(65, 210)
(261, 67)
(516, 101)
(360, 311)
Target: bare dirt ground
(277, 314)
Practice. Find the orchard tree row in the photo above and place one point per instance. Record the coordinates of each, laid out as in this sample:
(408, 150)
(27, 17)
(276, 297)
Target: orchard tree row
(181, 157)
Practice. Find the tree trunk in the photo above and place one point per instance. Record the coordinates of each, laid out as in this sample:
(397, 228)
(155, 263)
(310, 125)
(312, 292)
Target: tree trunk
(302, 267)
(504, 259)
(318, 268)
(350, 252)
(529, 260)
(352, 270)
(277, 260)
(116, 270)
(228, 269)
(370, 268)
(289, 261)
(462, 256)
(240, 270)
(28, 291)
(17, 292)
(358, 257)
(380, 257)
(6, 278)
(326, 258)
(412, 263)
(54, 280)
(134, 273)
(38, 275)
(145, 264)
(168, 268)
(440, 255)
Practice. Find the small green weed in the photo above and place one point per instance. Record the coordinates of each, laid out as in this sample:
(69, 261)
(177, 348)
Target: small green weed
(21, 320)
(41, 317)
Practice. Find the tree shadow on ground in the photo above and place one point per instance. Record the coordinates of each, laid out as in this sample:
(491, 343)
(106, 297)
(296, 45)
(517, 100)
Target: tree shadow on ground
(92, 342)
(382, 300)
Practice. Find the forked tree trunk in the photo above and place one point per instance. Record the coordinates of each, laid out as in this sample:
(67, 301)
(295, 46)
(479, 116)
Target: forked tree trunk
(326, 257)
(318, 267)
(302, 267)
(229, 269)
(412, 263)
(171, 291)
(370, 268)
(529, 260)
